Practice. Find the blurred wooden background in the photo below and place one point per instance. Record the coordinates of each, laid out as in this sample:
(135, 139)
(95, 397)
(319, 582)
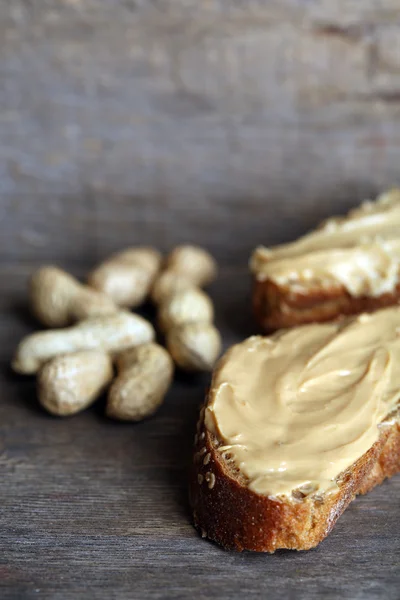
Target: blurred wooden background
(129, 121)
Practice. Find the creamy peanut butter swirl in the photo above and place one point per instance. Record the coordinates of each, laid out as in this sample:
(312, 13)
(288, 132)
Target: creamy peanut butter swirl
(297, 409)
(360, 252)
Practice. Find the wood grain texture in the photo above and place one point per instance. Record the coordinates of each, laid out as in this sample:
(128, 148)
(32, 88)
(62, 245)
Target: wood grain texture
(112, 110)
(96, 509)
(147, 121)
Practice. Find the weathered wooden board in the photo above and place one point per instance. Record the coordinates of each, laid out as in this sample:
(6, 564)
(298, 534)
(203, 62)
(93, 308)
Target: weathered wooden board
(225, 123)
(114, 109)
(95, 509)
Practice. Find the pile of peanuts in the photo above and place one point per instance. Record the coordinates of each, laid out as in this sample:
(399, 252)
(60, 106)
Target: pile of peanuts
(92, 329)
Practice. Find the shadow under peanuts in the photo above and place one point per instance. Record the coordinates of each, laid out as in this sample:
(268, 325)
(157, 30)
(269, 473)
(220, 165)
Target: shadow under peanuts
(21, 391)
(20, 311)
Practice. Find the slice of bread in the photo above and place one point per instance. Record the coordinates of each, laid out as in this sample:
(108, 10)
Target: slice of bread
(347, 266)
(227, 512)
(227, 506)
(276, 307)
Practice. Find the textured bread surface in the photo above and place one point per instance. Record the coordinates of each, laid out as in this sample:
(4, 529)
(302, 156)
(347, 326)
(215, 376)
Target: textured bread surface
(226, 511)
(277, 307)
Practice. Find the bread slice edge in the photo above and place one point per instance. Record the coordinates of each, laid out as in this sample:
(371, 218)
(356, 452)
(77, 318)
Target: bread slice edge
(277, 307)
(226, 511)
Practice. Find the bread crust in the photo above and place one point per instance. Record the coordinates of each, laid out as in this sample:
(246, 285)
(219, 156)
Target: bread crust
(226, 511)
(278, 307)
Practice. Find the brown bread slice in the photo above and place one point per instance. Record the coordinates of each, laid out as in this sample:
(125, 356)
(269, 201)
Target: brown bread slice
(346, 266)
(226, 511)
(277, 307)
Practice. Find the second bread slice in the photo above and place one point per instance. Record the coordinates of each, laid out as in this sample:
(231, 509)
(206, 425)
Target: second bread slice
(347, 266)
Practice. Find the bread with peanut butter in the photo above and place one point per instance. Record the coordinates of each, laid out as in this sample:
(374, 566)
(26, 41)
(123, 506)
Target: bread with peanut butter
(294, 427)
(347, 266)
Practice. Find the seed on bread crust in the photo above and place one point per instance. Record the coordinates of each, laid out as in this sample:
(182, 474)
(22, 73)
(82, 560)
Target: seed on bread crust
(210, 478)
(207, 458)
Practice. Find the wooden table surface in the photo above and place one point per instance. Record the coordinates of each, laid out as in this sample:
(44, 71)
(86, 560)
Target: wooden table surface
(91, 508)
(223, 123)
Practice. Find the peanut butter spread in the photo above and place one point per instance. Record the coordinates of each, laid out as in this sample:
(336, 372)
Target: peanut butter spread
(360, 252)
(297, 409)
